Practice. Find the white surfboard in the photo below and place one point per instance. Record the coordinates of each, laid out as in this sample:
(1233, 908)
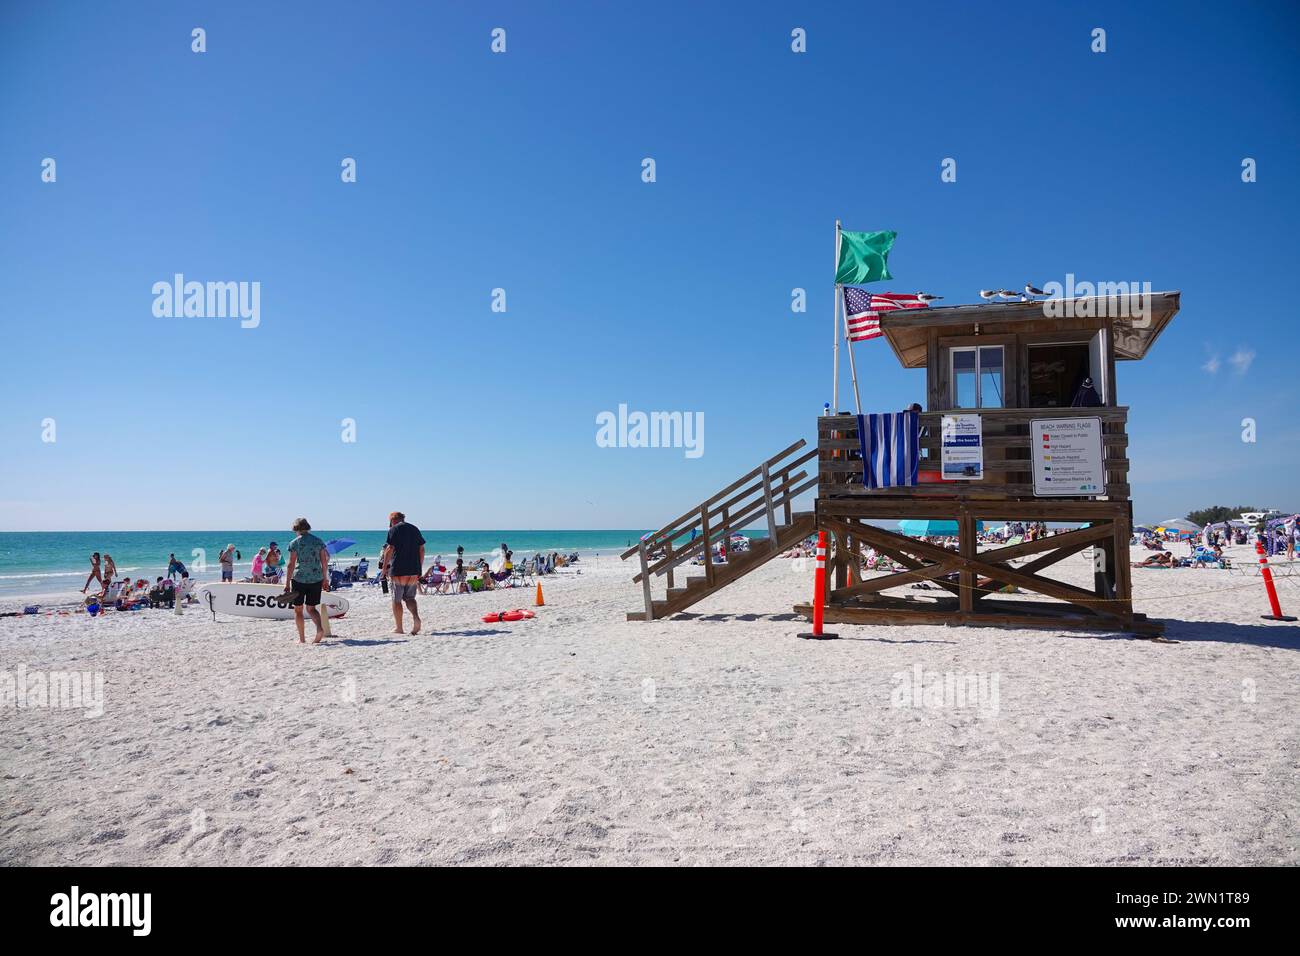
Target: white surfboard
(259, 600)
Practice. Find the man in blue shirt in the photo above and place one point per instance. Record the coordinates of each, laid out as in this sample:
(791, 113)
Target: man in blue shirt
(403, 559)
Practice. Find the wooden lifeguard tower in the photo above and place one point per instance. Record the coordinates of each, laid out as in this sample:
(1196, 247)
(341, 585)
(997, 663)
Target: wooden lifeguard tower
(1001, 366)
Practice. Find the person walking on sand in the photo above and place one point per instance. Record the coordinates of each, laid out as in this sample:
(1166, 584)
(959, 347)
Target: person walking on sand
(227, 559)
(110, 571)
(95, 574)
(403, 557)
(174, 567)
(305, 577)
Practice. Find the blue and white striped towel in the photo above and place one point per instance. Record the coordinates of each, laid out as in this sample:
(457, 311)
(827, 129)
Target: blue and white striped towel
(891, 448)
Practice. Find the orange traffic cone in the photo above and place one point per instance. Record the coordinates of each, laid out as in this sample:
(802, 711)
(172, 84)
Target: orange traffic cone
(819, 593)
(539, 602)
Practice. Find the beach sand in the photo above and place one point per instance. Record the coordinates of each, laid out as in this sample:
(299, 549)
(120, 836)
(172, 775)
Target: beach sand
(717, 737)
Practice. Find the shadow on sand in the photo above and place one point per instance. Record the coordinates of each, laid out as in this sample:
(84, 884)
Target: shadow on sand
(847, 632)
(364, 642)
(1263, 634)
(689, 616)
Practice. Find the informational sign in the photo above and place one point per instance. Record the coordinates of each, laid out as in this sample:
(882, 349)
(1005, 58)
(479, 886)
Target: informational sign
(962, 447)
(1067, 456)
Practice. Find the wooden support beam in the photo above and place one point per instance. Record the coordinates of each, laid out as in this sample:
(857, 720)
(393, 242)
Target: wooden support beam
(1082, 536)
(769, 507)
(708, 551)
(921, 507)
(875, 585)
(1033, 567)
(645, 587)
(889, 544)
(1005, 616)
(967, 545)
(999, 572)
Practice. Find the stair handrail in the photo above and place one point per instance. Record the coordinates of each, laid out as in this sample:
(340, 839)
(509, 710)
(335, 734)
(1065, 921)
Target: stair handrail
(785, 492)
(654, 540)
(683, 528)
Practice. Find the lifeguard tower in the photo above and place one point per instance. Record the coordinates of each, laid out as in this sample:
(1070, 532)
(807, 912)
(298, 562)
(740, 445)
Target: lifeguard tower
(1011, 376)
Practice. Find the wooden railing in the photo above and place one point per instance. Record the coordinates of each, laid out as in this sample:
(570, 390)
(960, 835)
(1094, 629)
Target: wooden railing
(1008, 467)
(765, 492)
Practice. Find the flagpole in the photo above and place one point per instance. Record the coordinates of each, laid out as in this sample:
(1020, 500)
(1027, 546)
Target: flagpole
(848, 347)
(835, 328)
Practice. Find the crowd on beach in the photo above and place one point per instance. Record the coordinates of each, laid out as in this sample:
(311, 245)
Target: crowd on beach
(125, 593)
(403, 574)
(307, 575)
(1206, 548)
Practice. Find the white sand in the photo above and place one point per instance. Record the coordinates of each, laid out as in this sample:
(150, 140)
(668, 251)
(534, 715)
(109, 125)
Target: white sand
(718, 737)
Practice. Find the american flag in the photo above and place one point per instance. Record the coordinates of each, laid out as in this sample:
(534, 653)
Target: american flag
(862, 310)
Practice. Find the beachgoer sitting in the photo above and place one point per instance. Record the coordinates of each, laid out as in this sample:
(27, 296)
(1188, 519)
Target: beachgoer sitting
(436, 579)
(162, 593)
(271, 564)
(459, 577)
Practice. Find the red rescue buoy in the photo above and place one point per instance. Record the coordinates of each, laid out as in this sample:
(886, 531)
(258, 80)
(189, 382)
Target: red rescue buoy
(518, 614)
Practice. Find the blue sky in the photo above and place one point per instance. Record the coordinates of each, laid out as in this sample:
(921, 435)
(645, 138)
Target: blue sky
(523, 171)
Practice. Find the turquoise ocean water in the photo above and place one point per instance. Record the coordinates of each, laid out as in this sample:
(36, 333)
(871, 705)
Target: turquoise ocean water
(55, 563)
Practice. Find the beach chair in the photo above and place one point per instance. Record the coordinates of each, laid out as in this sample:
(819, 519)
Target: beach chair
(524, 572)
(437, 583)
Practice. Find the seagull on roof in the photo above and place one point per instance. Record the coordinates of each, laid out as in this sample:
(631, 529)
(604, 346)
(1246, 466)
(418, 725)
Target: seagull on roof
(1030, 290)
(927, 298)
(988, 295)
(1008, 295)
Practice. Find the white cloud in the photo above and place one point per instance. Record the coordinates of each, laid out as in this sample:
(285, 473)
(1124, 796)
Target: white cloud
(1211, 364)
(1241, 360)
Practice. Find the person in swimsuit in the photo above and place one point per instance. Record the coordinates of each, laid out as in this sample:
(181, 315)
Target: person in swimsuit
(94, 572)
(110, 571)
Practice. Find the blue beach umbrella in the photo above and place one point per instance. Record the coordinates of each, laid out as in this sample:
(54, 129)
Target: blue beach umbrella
(338, 544)
(918, 528)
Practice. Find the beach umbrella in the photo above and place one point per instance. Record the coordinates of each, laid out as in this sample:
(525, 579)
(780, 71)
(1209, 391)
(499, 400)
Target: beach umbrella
(338, 544)
(925, 528)
(1179, 524)
(1143, 529)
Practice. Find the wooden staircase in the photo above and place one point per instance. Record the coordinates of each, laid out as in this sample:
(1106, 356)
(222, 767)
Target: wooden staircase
(765, 493)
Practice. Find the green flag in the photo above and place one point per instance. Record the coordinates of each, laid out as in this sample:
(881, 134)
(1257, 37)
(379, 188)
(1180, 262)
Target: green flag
(864, 257)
